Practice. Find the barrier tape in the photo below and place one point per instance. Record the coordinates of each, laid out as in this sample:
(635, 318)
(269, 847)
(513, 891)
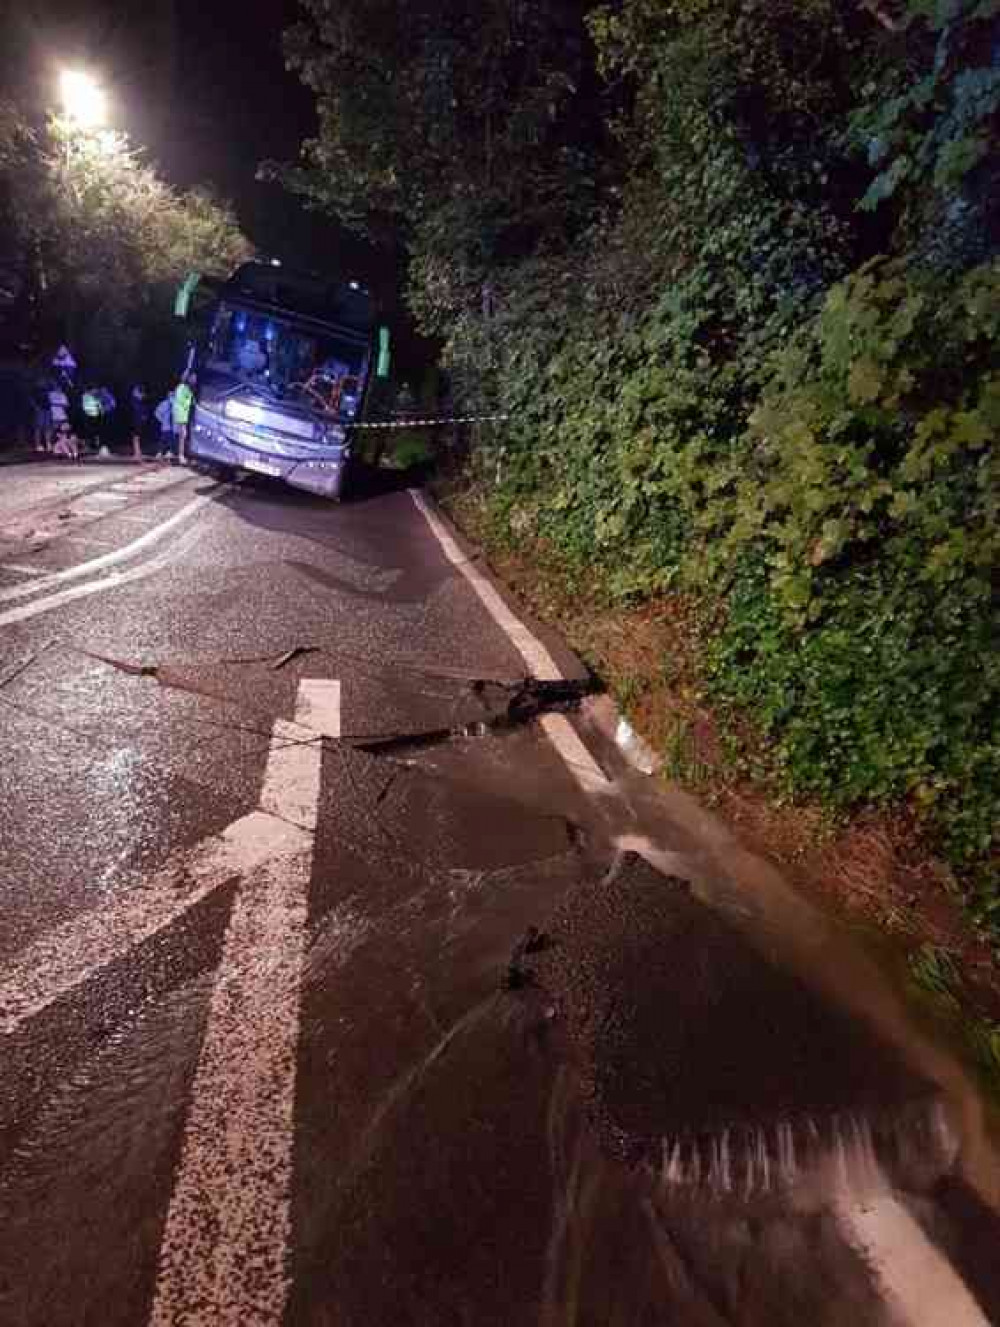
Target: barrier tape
(424, 423)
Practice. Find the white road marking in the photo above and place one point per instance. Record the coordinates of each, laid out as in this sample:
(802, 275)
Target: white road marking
(23, 570)
(107, 495)
(113, 581)
(223, 1259)
(541, 665)
(577, 758)
(67, 957)
(123, 554)
(289, 790)
(918, 1282)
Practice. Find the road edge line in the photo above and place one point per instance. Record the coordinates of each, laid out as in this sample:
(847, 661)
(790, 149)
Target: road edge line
(576, 756)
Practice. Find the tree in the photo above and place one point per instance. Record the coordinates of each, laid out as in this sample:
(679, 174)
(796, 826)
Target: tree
(463, 129)
(103, 237)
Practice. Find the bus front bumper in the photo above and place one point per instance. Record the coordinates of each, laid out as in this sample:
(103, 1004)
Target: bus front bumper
(321, 473)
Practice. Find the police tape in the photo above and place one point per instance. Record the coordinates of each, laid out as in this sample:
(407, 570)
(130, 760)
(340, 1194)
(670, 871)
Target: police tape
(425, 423)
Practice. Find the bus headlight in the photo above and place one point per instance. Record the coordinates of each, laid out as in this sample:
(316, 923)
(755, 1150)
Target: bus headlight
(331, 436)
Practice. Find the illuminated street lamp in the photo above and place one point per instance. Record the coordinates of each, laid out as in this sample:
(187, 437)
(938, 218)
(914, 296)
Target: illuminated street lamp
(83, 99)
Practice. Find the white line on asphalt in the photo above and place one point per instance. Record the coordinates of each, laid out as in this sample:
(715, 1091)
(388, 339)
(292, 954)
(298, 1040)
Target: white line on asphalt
(113, 581)
(578, 760)
(223, 1259)
(22, 570)
(558, 728)
(918, 1281)
(93, 565)
(67, 957)
(540, 663)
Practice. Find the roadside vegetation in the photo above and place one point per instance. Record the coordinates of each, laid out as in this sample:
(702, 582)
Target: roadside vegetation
(93, 243)
(732, 269)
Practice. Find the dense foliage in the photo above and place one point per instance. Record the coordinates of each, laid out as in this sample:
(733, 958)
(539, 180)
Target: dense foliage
(732, 265)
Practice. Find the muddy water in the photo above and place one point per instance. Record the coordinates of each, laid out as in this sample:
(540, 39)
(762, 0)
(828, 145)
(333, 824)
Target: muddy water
(761, 905)
(657, 1120)
(648, 1114)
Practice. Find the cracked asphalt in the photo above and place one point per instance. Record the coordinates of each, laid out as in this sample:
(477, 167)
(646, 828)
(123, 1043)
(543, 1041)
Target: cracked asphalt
(331, 992)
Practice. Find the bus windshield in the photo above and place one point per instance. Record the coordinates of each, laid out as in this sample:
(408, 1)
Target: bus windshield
(321, 369)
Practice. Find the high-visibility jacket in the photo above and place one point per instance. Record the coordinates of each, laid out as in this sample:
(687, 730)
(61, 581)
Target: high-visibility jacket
(183, 401)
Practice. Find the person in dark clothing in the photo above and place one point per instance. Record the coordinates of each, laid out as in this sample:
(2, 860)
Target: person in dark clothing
(97, 405)
(141, 418)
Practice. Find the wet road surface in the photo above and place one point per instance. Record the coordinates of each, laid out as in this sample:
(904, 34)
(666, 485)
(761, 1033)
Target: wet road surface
(347, 979)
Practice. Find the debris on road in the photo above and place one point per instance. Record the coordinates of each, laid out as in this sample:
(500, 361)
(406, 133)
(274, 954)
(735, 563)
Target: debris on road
(527, 699)
(296, 652)
(636, 750)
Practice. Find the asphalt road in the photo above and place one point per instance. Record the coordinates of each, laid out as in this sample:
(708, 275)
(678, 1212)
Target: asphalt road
(350, 977)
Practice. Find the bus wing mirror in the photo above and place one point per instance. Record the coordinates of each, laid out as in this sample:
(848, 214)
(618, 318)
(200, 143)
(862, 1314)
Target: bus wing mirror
(382, 370)
(182, 300)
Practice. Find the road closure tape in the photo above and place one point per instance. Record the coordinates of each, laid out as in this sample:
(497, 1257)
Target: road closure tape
(425, 423)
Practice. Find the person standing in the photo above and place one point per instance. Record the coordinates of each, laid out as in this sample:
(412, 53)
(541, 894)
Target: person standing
(64, 368)
(90, 409)
(58, 410)
(183, 405)
(164, 416)
(42, 418)
(66, 443)
(139, 409)
(98, 405)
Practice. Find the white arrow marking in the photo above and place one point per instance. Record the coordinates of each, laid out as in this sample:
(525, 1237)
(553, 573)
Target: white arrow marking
(223, 1259)
(68, 956)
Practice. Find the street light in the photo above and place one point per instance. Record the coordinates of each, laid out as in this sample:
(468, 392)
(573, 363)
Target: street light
(83, 99)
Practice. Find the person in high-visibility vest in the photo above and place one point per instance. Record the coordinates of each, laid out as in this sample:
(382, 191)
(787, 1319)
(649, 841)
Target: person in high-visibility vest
(183, 404)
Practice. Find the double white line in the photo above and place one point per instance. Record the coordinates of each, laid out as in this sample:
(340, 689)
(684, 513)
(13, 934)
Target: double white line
(48, 592)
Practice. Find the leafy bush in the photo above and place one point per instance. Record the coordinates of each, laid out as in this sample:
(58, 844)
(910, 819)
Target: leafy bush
(748, 337)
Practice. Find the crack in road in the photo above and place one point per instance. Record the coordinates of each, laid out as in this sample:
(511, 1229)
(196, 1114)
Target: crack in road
(520, 701)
